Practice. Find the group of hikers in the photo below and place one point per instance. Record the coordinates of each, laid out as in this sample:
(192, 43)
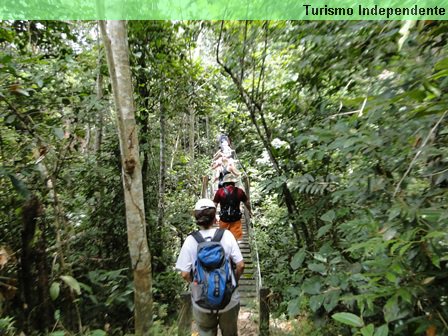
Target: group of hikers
(210, 259)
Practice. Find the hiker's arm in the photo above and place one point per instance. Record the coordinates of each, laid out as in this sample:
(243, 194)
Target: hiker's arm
(186, 276)
(233, 170)
(217, 155)
(239, 270)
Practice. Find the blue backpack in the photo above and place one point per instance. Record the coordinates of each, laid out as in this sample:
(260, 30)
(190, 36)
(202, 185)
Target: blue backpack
(212, 280)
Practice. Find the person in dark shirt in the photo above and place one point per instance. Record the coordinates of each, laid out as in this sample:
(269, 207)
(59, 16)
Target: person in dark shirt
(230, 197)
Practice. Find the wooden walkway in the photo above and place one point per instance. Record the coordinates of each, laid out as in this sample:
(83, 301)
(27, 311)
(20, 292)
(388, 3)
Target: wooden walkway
(247, 285)
(248, 281)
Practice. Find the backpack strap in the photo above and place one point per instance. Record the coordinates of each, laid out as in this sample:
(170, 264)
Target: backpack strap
(235, 197)
(226, 201)
(198, 237)
(231, 197)
(218, 235)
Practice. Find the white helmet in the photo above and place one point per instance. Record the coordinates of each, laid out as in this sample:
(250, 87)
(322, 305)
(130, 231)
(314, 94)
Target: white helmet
(204, 203)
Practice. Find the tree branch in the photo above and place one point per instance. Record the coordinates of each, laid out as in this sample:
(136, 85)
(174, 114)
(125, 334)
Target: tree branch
(397, 188)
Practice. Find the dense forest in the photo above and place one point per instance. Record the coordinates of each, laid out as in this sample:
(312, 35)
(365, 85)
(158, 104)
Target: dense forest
(107, 129)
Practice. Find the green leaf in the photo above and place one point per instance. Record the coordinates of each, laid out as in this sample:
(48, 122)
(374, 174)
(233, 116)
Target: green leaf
(435, 260)
(405, 248)
(367, 330)
(316, 302)
(57, 333)
(5, 58)
(436, 234)
(405, 295)
(442, 64)
(86, 288)
(329, 216)
(331, 299)
(428, 280)
(72, 283)
(55, 288)
(418, 95)
(440, 74)
(57, 314)
(393, 311)
(391, 277)
(294, 307)
(20, 187)
(349, 319)
(59, 132)
(10, 119)
(389, 234)
(311, 285)
(323, 230)
(23, 92)
(298, 259)
(382, 331)
(319, 268)
(97, 332)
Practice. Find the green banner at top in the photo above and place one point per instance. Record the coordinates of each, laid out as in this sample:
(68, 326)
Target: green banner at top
(223, 10)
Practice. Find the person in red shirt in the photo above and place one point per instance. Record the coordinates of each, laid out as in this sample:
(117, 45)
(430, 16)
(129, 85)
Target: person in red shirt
(230, 197)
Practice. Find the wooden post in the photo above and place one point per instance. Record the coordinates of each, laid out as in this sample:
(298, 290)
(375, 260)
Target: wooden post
(185, 315)
(246, 186)
(264, 312)
(211, 190)
(204, 186)
(247, 191)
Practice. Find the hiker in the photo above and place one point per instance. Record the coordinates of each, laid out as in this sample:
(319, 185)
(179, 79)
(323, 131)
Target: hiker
(223, 141)
(224, 166)
(226, 151)
(230, 197)
(190, 265)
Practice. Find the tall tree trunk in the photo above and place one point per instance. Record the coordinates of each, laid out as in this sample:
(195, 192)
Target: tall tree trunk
(30, 213)
(173, 154)
(162, 178)
(46, 312)
(207, 136)
(99, 97)
(192, 117)
(116, 45)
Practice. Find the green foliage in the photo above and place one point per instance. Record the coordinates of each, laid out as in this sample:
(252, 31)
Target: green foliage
(349, 319)
(7, 326)
(108, 295)
(358, 128)
(351, 122)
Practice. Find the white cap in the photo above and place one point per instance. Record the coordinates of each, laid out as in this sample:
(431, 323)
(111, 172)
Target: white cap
(204, 203)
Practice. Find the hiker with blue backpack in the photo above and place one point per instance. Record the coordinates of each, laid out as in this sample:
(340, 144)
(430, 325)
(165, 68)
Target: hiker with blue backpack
(206, 262)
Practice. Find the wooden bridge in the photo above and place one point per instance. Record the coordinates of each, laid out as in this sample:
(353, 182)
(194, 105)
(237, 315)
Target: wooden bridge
(252, 295)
